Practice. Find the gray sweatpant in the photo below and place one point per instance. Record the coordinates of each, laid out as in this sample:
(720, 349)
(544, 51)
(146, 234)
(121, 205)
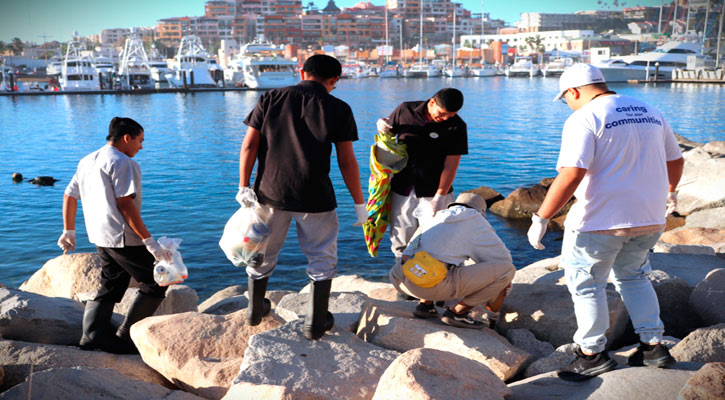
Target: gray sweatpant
(317, 236)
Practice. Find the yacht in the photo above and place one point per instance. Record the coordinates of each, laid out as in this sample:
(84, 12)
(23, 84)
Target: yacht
(485, 70)
(77, 73)
(190, 65)
(104, 65)
(357, 71)
(134, 71)
(522, 66)
(158, 65)
(556, 66)
(670, 56)
(55, 65)
(417, 70)
(453, 71)
(389, 72)
(262, 66)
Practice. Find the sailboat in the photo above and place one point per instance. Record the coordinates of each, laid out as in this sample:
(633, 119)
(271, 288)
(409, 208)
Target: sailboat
(452, 71)
(421, 69)
(486, 69)
(387, 71)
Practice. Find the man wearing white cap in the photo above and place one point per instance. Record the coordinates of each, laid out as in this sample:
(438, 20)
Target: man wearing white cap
(620, 158)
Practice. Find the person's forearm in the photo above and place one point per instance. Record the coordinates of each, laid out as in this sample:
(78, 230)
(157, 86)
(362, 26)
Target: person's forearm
(450, 168)
(561, 191)
(350, 170)
(248, 155)
(70, 209)
(674, 173)
(132, 216)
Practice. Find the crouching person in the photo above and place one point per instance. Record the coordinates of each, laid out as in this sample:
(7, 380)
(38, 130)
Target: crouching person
(455, 235)
(108, 182)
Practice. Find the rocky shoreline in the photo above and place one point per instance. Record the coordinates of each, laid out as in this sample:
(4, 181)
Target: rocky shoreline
(377, 349)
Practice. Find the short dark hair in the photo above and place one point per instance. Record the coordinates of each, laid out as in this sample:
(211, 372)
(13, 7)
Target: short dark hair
(322, 66)
(450, 99)
(120, 126)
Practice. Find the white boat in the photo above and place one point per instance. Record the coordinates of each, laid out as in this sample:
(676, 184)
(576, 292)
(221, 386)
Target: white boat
(485, 70)
(190, 66)
(77, 73)
(670, 56)
(452, 71)
(263, 66)
(556, 66)
(358, 70)
(158, 65)
(7, 79)
(54, 67)
(389, 73)
(523, 66)
(134, 71)
(104, 65)
(418, 70)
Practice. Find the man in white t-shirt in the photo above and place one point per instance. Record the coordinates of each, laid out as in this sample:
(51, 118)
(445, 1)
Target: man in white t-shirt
(620, 158)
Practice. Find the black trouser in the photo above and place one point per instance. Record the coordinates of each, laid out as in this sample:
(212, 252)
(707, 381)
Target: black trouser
(119, 265)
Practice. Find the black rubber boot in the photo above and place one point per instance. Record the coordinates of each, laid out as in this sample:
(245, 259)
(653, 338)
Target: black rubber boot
(98, 332)
(318, 320)
(143, 306)
(259, 306)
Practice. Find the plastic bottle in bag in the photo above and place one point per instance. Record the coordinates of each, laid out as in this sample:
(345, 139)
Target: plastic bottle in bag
(170, 272)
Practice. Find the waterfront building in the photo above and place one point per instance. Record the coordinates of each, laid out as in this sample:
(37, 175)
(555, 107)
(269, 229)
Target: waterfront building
(538, 22)
(114, 37)
(550, 40)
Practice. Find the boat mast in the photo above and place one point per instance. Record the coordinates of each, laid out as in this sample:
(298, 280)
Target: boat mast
(387, 57)
(483, 32)
(719, 35)
(420, 40)
(674, 20)
(453, 40)
(659, 24)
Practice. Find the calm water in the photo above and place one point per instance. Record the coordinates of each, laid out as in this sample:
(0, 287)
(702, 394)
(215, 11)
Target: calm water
(190, 163)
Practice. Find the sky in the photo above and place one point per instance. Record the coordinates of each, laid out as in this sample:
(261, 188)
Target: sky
(30, 20)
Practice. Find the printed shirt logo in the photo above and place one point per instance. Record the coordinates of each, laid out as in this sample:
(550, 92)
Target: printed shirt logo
(434, 135)
(632, 115)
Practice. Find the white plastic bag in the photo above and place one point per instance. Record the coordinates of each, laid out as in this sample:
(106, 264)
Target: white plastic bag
(424, 213)
(169, 273)
(245, 237)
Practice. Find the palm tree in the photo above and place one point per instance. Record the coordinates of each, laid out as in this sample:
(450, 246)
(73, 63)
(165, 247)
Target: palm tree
(17, 46)
(3, 47)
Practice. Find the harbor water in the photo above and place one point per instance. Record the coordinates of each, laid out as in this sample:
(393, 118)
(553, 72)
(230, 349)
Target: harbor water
(191, 155)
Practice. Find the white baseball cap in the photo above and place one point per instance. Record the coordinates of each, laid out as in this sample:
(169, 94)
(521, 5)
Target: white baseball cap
(578, 75)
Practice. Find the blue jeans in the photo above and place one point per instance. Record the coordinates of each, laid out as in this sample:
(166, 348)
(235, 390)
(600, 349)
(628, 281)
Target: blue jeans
(587, 259)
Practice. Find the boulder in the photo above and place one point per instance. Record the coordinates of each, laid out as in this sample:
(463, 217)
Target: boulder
(200, 353)
(690, 268)
(491, 196)
(707, 384)
(526, 341)
(391, 325)
(715, 149)
(214, 302)
(66, 276)
(90, 383)
(673, 295)
(622, 383)
(546, 271)
(702, 345)
(687, 144)
(226, 306)
(711, 218)
(435, 374)
(31, 317)
(281, 363)
(673, 222)
(548, 312)
(521, 203)
(708, 298)
(346, 307)
(179, 299)
(710, 240)
(355, 283)
(702, 185)
(274, 296)
(559, 358)
(20, 359)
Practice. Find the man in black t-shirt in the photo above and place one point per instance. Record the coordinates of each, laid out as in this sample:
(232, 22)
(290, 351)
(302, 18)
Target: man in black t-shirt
(291, 133)
(435, 138)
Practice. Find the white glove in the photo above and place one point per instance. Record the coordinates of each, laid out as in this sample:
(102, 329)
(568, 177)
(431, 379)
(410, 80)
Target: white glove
(361, 213)
(67, 241)
(246, 196)
(537, 231)
(156, 250)
(671, 202)
(438, 203)
(384, 126)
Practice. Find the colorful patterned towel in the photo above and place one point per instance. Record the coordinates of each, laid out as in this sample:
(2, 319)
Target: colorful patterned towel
(387, 157)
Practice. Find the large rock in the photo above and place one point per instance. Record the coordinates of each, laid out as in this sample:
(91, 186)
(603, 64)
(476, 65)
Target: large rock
(716, 148)
(392, 326)
(66, 276)
(200, 353)
(708, 298)
(521, 203)
(702, 185)
(90, 383)
(346, 307)
(436, 374)
(559, 358)
(221, 303)
(674, 222)
(491, 196)
(526, 341)
(20, 359)
(354, 283)
(546, 271)
(673, 295)
(687, 144)
(711, 218)
(694, 240)
(707, 384)
(281, 363)
(702, 345)
(31, 317)
(622, 383)
(179, 299)
(548, 311)
(690, 268)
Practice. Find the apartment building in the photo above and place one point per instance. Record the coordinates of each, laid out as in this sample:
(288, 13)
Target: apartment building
(538, 22)
(113, 36)
(551, 40)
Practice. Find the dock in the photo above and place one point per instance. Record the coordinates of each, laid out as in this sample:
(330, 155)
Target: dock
(699, 75)
(129, 91)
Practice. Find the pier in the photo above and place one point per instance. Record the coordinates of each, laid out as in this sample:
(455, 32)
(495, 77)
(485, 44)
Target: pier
(126, 91)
